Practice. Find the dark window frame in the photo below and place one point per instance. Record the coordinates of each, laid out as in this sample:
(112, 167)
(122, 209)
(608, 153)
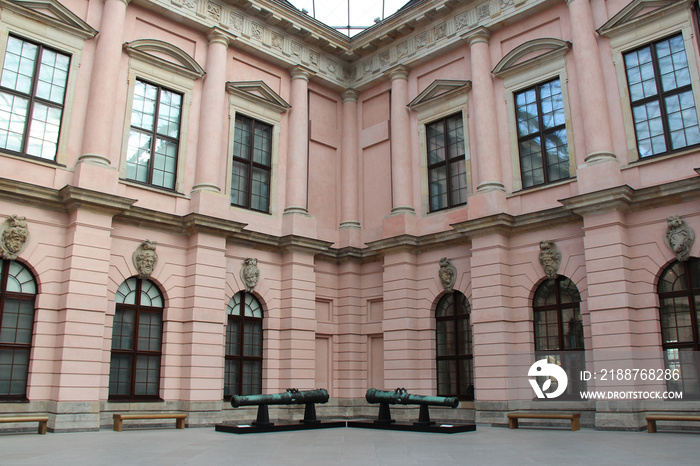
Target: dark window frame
(4, 295)
(447, 163)
(542, 134)
(251, 164)
(155, 136)
(241, 358)
(659, 97)
(134, 352)
(35, 99)
(692, 294)
(465, 382)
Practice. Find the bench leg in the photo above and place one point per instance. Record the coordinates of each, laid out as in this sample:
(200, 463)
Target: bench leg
(651, 426)
(576, 423)
(180, 423)
(42, 427)
(117, 424)
(513, 422)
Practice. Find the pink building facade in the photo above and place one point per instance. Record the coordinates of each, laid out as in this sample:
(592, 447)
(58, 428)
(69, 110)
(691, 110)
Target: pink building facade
(200, 198)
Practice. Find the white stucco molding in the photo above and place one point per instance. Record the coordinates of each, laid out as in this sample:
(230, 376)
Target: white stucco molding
(639, 13)
(152, 50)
(257, 92)
(531, 54)
(51, 13)
(440, 90)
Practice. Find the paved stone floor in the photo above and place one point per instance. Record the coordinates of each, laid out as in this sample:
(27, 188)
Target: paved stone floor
(348, 446)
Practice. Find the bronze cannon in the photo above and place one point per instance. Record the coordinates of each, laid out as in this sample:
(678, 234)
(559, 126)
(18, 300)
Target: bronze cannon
(400, 396)
(292, 396)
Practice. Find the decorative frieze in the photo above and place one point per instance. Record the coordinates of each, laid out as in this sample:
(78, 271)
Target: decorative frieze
(679, 237)
(550, 258)
(250, 273)
(14, 236)
(145, 258)
(447, 274)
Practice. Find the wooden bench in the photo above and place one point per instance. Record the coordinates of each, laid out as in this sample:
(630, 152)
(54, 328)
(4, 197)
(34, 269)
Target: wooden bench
(652, 418)
(179, 418)
(574, 417)
(42, 420)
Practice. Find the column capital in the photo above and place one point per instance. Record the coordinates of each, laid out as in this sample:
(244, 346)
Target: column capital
(480, 34)
(398, 72)
(350, 95)
(216, 35)
(301, 72)
(125, 2)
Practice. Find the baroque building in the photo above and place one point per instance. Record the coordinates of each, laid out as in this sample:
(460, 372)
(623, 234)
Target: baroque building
(202, 198)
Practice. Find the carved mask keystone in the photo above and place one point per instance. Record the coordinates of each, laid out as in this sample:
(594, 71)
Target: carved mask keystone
(250, 273)
(447, 274)
(550, 258)
(679, 237)
(14, 236)
(145, 258)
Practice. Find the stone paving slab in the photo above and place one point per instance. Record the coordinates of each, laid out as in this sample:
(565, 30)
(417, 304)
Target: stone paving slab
(348, 446)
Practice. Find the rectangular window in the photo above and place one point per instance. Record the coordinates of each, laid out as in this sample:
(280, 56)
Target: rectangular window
(154, 138)
(252, 164)
(542, 143)
(663, 106)
(447, 169)
(32, 92)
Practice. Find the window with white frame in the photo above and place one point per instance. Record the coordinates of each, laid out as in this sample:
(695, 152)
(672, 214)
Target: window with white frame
(154, 138)
(534, 76)
(32, 94)
(661, 96)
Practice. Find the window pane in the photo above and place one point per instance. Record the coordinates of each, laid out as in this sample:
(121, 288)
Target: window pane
(165, 164)
(20, 279)
(649, 128)
(531, 163)
(18, 66)
(150, 331)
(241, 138)
(252, 339)
(557, 154)
(138, 156)
(252, 378)
(143, 108)
(526, 112)
(458, 182)
(262, 148)
(239, 184)
(232, 377)
(682, 120)
(447, 377)
(438, 188)
(169, 114)
(436, 142)
(120, 375)
(147, 375)
(53, 75)
(233, 338)
(123, 329)
(43, 131)
(13, 116)
(14, 367)
(260, 197)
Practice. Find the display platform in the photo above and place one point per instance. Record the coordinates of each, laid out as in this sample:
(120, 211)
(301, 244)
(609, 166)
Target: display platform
(253, 429)
(434, 428)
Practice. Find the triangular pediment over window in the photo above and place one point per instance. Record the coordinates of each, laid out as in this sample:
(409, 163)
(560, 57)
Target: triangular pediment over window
(51, 13)
(641, 12)
(440, 90)
(531, 53)
(258, 93)
(165, 56)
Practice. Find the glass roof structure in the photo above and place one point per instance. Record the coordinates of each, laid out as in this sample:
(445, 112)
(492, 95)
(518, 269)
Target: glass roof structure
(349, 16)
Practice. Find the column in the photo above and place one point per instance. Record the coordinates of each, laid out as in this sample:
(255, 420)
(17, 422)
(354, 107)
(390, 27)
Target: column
(298, 155)
(297, 324)
(401, 161)
(200, 376)
(487, 151)
(99, 118)
(601, 168)
(349, 208)
(212, 114)
(79, 379)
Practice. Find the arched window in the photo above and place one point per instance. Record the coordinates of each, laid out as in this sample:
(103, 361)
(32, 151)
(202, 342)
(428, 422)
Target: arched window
(679, 305)
(134, 371)
(455, 372)
(17, 292)
(243, 373)
(559, 329)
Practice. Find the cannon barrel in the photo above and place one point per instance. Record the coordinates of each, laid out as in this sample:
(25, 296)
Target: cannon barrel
(291, 397)
(400, 397)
